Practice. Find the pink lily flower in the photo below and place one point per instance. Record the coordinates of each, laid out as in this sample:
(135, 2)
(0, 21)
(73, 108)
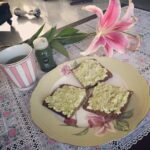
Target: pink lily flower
(100, 124)
(111, 29)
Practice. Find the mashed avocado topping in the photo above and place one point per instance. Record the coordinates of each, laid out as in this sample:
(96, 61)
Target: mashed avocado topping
(89, 72)
(65, 99)
(108, 98)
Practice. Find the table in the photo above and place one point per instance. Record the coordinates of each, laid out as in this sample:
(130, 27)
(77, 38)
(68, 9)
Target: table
(53, 12)
(17, 131)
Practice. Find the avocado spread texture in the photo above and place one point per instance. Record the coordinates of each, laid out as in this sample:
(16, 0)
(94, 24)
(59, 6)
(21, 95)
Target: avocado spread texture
(108, 98)
(66, 99)
(90, 72)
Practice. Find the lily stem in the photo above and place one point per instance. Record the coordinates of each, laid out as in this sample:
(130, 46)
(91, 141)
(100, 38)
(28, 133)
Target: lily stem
(91, 34)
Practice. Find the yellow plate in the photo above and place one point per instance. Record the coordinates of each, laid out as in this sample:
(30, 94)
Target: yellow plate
(49, 123)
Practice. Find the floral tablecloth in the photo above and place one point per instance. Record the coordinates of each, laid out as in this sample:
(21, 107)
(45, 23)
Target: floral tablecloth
(17, 131)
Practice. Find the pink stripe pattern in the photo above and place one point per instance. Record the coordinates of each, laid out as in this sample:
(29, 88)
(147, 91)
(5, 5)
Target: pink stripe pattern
(27, 72)
(23, 73)
(16, 74)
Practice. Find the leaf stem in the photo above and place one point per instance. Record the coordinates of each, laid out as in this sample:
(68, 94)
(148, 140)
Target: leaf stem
(66, 37)
(83, 132)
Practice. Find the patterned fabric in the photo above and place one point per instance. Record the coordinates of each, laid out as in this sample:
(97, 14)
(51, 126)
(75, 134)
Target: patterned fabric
(17, 131)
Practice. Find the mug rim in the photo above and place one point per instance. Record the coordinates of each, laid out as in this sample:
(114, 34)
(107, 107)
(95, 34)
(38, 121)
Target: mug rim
(22, 60)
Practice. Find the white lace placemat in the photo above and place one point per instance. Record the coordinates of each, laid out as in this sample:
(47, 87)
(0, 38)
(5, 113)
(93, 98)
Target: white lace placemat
(17, 131)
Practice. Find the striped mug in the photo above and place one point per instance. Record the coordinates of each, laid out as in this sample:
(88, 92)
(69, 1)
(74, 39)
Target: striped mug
(18, 62)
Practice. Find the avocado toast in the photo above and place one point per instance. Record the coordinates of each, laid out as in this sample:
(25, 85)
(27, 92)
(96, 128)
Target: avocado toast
(65, 100)
(89, 72)
(96, 96)
(107, 100)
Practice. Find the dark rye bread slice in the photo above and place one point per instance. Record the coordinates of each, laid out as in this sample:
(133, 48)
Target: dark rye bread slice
(65, 98)
(111, 114)
(89, 72)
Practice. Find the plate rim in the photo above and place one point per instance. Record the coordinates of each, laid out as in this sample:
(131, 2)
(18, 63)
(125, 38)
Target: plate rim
(69, 62)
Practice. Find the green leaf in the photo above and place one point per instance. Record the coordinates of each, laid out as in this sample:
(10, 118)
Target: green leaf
(67, 32)
(50, 34)
(30, 41)
(83, 132)
(122, 125)
(59, 47)
(73, 38)
(126, 115)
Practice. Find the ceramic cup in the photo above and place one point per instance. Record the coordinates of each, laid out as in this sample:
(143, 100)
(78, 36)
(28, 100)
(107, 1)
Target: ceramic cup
(18, 62)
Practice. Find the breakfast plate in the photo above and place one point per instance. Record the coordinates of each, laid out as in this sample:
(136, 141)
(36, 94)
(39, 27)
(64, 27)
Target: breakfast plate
(78, 130)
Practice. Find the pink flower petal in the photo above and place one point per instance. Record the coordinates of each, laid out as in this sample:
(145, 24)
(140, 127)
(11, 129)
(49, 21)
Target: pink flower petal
(129, 12)
(112, 14)
(65, 70)
(96, 117)
(124, 25)
(94, 46)
(108, 50)
(111, 30)
(110, 127)
(117, 41)
(94, 9)
(96, 120)
(95, 123)
(100, 131)
(70, 121)
(91, 123)
(128, 20)
(134, 42)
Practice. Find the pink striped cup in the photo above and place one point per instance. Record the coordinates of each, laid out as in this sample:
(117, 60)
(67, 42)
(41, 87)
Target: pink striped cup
(22, 72)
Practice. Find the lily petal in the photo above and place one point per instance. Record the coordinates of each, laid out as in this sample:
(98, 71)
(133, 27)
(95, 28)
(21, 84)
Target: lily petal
(108, 50)
(94, 9)
(95, 44)
(128, 20)
(110, 30)
(129, 12)
(112, 14)
(134, 42)
(117, 41)
(125, 25)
